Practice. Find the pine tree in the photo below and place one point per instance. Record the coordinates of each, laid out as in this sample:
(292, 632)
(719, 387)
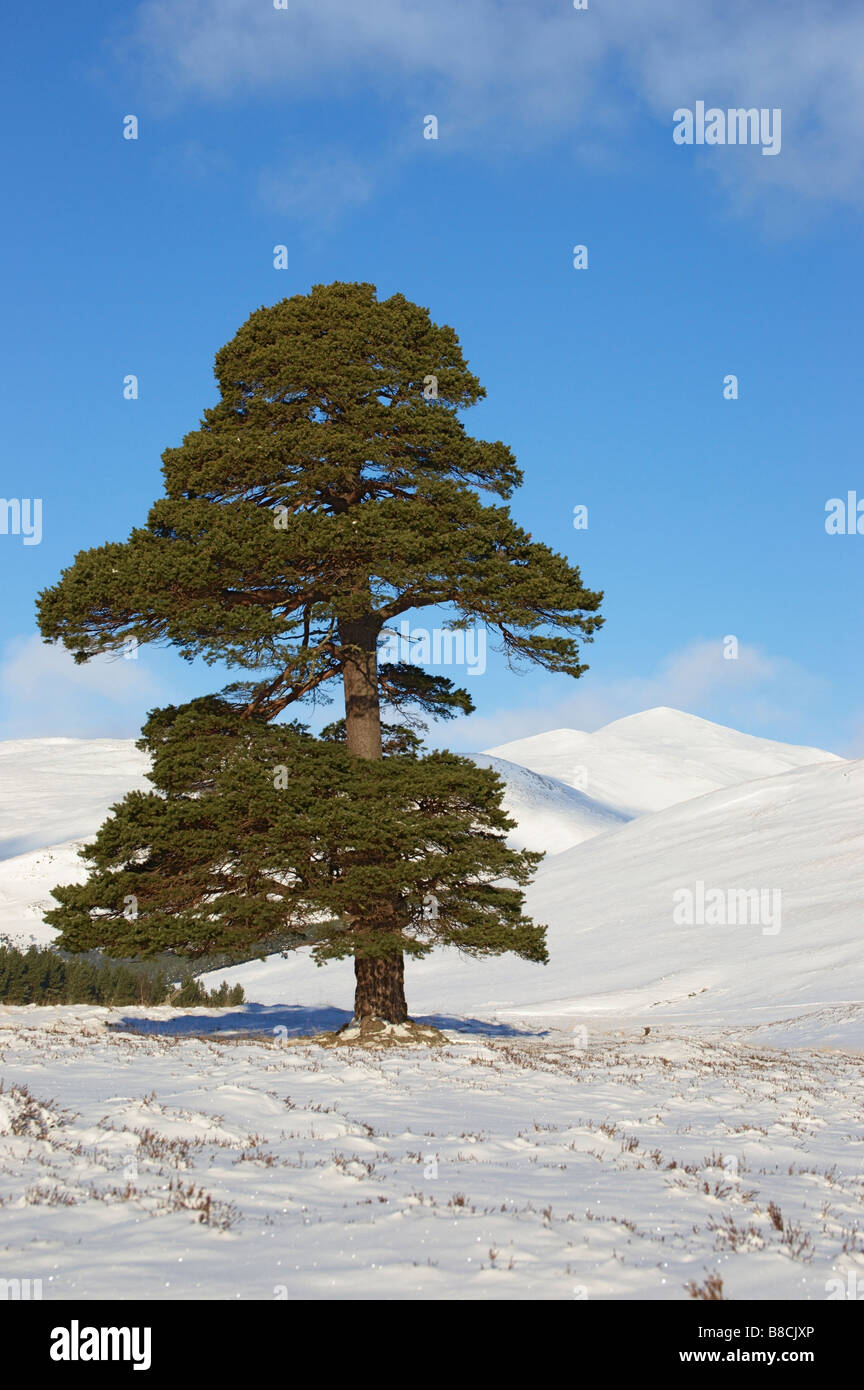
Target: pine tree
(331, 489)
(237, 846)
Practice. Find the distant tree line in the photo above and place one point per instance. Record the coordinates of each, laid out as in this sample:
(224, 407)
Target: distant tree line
(41, 975)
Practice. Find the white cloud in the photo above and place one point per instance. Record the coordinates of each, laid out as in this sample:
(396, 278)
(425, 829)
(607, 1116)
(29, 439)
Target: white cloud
(495, 71)
(44, 693)
(757, 693)
(316, 188)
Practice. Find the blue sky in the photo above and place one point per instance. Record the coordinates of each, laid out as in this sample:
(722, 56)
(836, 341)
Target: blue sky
(304, 127)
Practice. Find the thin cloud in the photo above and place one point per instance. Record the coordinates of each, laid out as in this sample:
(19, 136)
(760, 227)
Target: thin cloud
(756, 692)
(45, 694)
(499, 71)
(316, 188)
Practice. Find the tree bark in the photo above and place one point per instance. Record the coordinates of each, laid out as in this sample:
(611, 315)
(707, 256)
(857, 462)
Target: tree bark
(360, 680)
(380, 991)
(380, 980)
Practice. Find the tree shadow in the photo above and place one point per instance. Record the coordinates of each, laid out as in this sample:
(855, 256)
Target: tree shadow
(280, 1020)
(294, 1021)
(480, 1026)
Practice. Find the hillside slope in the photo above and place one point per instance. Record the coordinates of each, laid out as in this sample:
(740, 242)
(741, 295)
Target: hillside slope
(655, 759)
(617, 954)
(55, 789)
(55, 793)
(550, 816)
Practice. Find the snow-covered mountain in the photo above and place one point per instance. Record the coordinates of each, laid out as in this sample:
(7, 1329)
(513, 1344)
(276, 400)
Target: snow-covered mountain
(52, 786)
(655, 759)
(615, 943)
(617, 953)
(776, 819)
(26, 881)
(550, 815)
(54, 790)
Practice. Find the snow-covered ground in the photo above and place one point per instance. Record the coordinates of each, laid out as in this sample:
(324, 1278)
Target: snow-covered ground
(669, 1098)
(557, 1167)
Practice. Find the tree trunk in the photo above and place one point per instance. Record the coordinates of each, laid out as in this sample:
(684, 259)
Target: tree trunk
(380, 991)
(360, 681)
(380, 980)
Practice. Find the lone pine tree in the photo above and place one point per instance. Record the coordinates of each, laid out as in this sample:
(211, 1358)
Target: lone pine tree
(259, 833)
(331, 489)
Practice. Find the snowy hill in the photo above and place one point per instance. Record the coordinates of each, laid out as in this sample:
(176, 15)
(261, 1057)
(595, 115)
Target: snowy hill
(610, 906)
(550, 815)
(54, 789)
(606, 890)
(616, 951)
(26, 881)
(55, 793)
(641, 1070)
(655, 759)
